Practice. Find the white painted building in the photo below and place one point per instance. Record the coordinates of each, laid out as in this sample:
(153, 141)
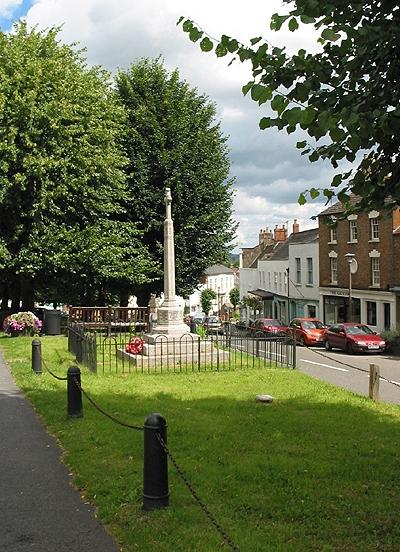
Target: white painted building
(220, 279)
(287, 281)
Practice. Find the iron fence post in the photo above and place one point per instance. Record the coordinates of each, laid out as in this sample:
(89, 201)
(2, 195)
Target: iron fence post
(155, 471)
(74, 393)
(294, 354)
(37, 356)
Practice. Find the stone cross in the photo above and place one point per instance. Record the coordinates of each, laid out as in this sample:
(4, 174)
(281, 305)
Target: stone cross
(169, 252)
(169, 315)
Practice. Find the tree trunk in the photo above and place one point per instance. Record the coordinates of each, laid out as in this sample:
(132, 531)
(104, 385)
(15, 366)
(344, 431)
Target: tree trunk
(123, 298)
(5, 296)
(27, 293)
(15, 295)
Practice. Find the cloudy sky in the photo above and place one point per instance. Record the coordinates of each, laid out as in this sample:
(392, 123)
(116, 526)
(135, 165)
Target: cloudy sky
(270, 173)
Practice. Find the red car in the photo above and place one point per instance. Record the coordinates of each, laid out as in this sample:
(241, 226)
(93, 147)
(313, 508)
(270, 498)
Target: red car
(307, 331)
(269, 326)
(353, 338)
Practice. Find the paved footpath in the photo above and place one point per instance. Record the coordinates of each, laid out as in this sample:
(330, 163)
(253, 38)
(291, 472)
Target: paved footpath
(39, 510)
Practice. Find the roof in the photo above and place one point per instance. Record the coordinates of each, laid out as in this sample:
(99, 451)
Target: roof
(281, 251)
(307, 236)
(214, 270)
(262, 293)
(338, 206)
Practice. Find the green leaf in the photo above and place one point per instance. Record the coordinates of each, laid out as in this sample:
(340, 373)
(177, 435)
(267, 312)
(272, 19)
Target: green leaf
(255, 40)
(337, 180)
(314, 156)
(182, 17)
(277, 21)
(329, 34)
(233, 46)
(308, 116)
(261, 93)
(301, 145)
(206, 45)
(302, 199)
(293, 116)
(247, 87)
(187, 26)
(279, 103)
(195, 34)
(220, 50)
(265, 122)
(314, 193)
(293, 24)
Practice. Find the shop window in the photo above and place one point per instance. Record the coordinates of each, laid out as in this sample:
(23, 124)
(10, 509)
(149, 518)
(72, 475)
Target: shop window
(371, 313)
(312, 312)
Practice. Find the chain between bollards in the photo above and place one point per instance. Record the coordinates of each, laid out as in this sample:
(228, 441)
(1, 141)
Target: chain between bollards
(228, 540)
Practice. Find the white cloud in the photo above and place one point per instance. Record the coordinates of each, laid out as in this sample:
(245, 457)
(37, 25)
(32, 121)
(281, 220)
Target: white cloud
(8, 6)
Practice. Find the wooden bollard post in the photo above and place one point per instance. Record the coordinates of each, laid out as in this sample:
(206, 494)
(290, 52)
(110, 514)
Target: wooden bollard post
(374, 382)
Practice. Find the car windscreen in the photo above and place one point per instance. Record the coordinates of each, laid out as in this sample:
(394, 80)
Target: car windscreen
(358, 330)
(312, 325)
(275, 323)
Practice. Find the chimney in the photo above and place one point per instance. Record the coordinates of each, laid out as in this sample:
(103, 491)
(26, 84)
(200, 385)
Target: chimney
(280, 234)
(296, 227)
(265, 236)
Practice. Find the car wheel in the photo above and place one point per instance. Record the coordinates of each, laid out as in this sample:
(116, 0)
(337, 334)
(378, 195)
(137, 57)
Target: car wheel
(328, 346)
(349, 348)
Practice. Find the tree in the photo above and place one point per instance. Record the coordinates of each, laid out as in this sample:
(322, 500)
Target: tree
(253, 303)
(173, 140)
(62, 182)
(346, 95)
(234, 297)
(206, 298)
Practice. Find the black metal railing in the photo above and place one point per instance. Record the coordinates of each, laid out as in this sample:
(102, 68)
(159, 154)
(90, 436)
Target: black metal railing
(108, 352)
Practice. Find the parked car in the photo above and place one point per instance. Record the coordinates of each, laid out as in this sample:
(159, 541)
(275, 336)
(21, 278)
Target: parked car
(353, 338)
(307, 331)
(269, 326)
(213, 324)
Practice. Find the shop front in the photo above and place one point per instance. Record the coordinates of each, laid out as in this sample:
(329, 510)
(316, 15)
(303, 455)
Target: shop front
(374, 308)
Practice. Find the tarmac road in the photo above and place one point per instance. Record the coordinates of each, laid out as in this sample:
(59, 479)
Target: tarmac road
(337, 367)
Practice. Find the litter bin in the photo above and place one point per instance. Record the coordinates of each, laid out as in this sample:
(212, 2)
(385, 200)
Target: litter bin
(52, 322)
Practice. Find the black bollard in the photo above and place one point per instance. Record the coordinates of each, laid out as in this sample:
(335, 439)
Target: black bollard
(74, 394)
(37, 356)
(155, 473)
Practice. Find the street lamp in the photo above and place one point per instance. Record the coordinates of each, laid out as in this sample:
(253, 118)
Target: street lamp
(353, 265)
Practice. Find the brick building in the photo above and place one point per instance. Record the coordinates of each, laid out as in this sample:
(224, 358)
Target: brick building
(372, 244)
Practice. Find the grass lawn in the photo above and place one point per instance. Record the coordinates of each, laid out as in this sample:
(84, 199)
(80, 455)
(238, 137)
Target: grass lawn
(318, 470)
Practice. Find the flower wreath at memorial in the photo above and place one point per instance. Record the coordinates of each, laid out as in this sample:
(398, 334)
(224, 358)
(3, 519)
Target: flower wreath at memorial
(135, 346)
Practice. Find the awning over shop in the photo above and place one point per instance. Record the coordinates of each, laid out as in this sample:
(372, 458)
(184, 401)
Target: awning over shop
(262, 293)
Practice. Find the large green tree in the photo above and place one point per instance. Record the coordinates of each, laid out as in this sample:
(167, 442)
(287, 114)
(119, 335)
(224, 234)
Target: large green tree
(63, 228)
(347, 94)
(173, 140)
